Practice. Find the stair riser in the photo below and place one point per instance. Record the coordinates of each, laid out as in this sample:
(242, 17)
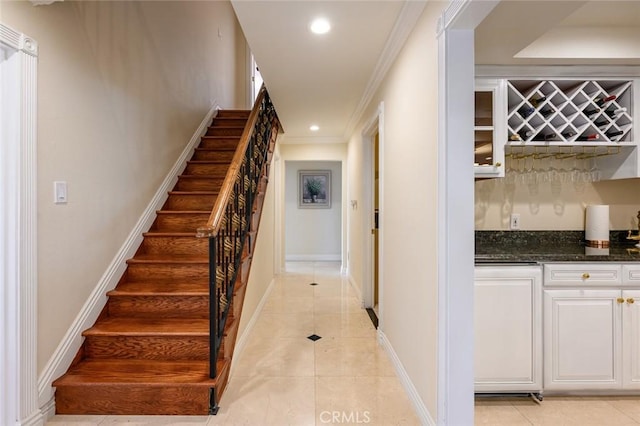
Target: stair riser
(213, 169)
(199, 184)
(206, 155)
(233, 113)
(180, 222)
(224, 131)
(219, 143)
(229, 121)
(175, 245)
(229, 341)
(148, 347)
(238, 297)
(190, 202)
(163, 306)
(133, 400)
(168, 272)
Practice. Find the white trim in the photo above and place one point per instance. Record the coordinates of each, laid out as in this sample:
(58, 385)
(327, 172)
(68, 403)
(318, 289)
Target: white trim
(19, 299)
(313, 258)
(72, 340)
(455, 209)
(577, 72)
(414, 396)
(243, 339)
(355, 288)
(373, 125)
(407, 19)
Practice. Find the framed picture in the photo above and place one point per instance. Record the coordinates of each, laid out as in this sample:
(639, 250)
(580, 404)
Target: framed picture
(314, 189)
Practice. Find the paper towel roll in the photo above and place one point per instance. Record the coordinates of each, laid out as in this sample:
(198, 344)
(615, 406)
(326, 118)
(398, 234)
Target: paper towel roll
(597, 226)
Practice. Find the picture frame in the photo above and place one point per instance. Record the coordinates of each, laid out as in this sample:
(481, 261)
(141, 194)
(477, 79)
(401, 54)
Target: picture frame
(314, 189)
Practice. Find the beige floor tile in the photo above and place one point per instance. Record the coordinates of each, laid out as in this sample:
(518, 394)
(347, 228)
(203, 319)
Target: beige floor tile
(362, 400)
(155, 420)
(499, 413)
(334, 288)
(284, 304)
(351, 356)
(327, 305)
(292, 289)
(573, 411)
(282, 357)
(64, 420)
(276, 324)
(348, 324)
(260, 400)
(630, 406)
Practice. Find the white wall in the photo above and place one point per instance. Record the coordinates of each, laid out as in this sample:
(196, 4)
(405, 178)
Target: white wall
(408, 206)
(313, 152)
(313, 234)
(542, 208)
(122, 86)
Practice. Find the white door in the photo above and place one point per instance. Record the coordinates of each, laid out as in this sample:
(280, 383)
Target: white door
(508, 324)
(582, 339)
(631, 339)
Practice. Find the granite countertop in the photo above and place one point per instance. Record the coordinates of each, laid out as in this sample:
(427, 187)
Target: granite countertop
(550, 246)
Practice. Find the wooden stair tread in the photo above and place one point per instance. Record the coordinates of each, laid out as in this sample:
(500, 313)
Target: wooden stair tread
(217, 149)
(131, 326)
(168, 258)
(183, 212)
(163, 234)
(136, 372)
(194, 192)
(208, 162)
(212, 177)
(154, 288)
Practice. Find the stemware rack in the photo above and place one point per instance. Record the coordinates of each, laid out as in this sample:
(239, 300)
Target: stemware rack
(578, 112)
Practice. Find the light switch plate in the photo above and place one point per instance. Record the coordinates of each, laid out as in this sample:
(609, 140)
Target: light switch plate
(515, 221)
(60, 192)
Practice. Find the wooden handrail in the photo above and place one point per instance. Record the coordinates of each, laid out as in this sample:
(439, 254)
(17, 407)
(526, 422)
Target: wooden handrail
(215, 219)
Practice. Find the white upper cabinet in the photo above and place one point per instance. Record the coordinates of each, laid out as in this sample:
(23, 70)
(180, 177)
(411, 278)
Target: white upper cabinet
(490, 131)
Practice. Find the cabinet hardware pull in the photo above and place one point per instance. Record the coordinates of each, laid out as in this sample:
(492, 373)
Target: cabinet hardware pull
(498, 164)
(620, 299)
(585, 275)
(630, 300)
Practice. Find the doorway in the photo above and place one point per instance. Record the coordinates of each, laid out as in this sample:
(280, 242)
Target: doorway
(373, 217)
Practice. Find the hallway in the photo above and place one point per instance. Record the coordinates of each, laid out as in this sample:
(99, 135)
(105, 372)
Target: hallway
(284, 378)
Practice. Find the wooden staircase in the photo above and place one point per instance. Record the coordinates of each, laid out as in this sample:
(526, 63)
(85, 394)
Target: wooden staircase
(148, 352)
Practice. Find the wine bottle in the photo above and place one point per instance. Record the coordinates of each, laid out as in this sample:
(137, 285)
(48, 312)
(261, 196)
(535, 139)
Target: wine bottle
(614, 133)
(590, 137)
(537, 101)
(525, 134)
(550, 136)
(614, 113)
(568, 134)
(601, 122)
(602, 100)
(515, 137)
(526, 111)
(590, 112)
(547, 112)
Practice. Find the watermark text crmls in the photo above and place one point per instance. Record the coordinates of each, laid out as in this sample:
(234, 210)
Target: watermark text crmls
(358, 417)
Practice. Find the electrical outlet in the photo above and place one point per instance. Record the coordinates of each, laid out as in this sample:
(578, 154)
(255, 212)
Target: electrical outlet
(515, 221)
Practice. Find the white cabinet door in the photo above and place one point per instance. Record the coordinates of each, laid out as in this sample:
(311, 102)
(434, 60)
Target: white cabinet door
(582, 339)
(508, 332)
(631, 339)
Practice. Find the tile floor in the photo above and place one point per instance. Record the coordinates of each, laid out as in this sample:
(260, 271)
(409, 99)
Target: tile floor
(283, 378)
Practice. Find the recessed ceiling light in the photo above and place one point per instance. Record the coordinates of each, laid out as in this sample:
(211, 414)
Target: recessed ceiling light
(314, 128)
(320, 26)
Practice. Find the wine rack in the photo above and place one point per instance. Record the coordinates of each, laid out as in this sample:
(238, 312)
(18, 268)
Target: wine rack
(570, 112)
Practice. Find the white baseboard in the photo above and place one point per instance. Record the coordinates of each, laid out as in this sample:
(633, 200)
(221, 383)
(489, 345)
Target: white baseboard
(244, 337)
(48, 409)
(72, 340)
(313, 258)
(355, 288)
(407, 384)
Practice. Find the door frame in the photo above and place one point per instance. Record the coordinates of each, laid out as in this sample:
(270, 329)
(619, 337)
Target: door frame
(373, 126)
(18, 226)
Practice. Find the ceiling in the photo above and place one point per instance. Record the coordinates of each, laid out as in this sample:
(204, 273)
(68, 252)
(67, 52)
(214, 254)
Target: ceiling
(327, 79)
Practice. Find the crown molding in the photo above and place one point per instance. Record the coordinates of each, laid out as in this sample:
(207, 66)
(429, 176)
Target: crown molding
(407, 19)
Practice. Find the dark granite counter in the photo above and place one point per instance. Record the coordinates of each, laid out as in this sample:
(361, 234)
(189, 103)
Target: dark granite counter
(550, 246)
